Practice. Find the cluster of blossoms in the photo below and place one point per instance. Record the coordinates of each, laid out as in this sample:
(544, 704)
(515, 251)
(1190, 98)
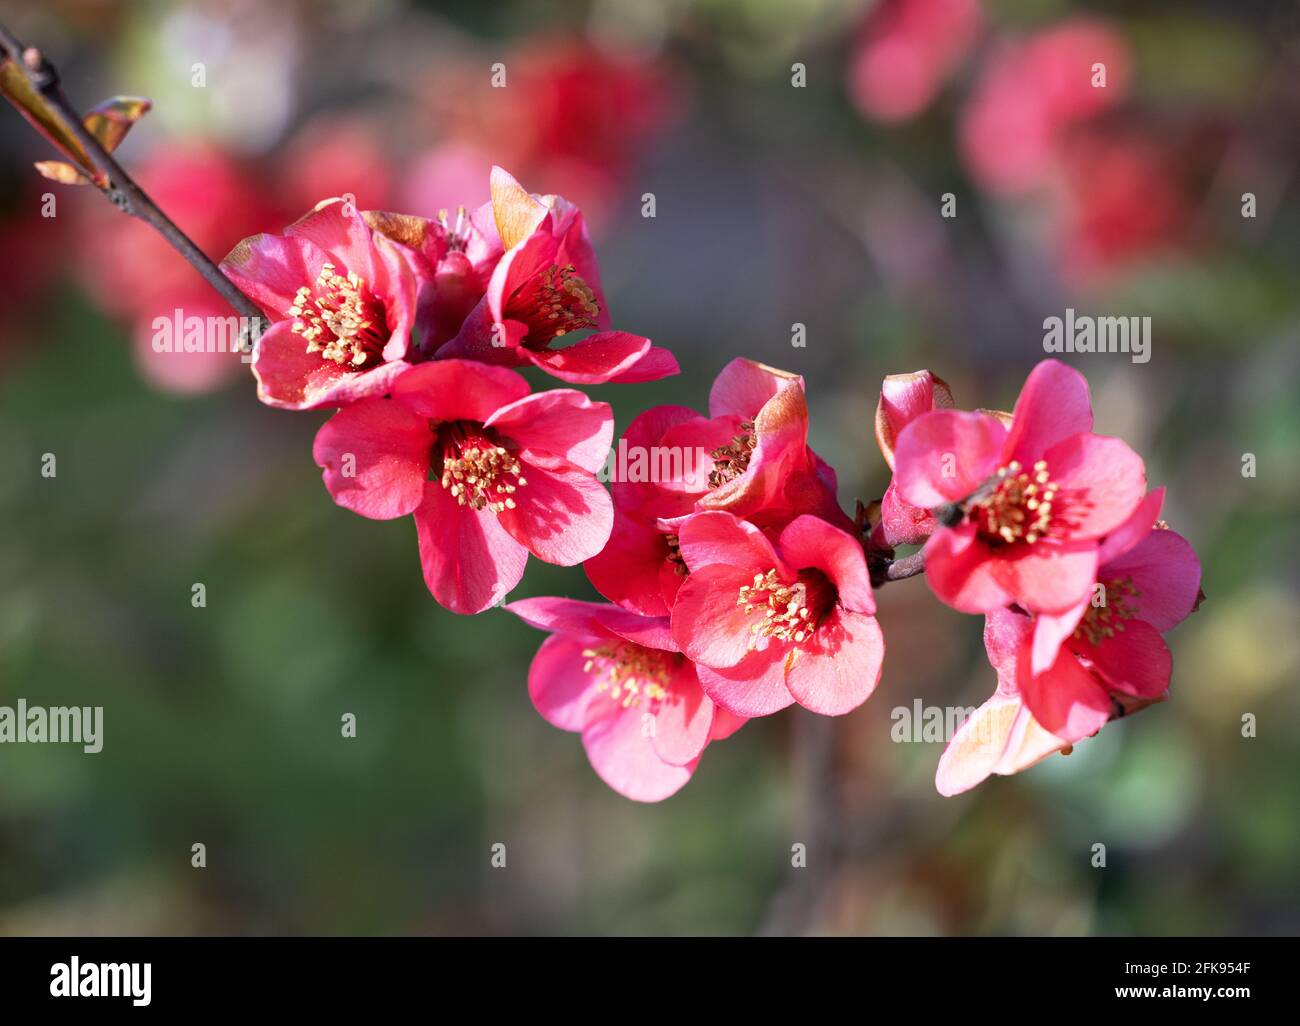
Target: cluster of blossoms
(1049, 120)
(736, 586)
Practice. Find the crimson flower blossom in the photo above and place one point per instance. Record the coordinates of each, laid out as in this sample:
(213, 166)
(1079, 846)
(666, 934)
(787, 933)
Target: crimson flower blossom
(1027, 505)
(619, 680)
(547, 285)
(1110, 644)
(903, 398)
(342, 301)
(771, 624)
(755, 463)
(1062, 677)
(490, 472)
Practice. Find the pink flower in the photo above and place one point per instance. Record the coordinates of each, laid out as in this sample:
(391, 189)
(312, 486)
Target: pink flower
(1027, 505)
(1001, 736)
(490, 472)
(905, 52)
(619, 680)
(453, 261)
(1109, 644)
(768, 624)
(1061, 678)
(750, 458)
(575, 114)
(547, 285)
(1030, 91)
(1124, 193)
(903, 398)
(755, 437)
(342, 302)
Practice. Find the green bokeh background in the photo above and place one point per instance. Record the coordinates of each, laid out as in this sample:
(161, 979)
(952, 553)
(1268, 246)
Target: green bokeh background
(222, 723)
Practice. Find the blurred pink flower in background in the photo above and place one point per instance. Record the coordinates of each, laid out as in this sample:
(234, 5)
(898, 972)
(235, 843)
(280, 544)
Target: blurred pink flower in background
(134, 274)
(1030, 91)
(337, 155)
(572, 114)
(1127, 191)
(905, 51)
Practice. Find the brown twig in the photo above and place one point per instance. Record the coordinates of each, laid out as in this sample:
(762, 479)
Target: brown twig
(119, 187)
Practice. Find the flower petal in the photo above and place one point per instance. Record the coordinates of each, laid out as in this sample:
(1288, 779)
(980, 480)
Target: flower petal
(1053, 405)
(755, 686)
(1047, 578)
(945, 455)
(1134, 530)
(1066, 700)
(628, 569)
(1050, 632)
(517, 212)
(611, 356)
(469, 561)
(1166, 575)
(683, 720)
(960, 570)
(903, 398)
(560, 688)
(447, 390)
(1134, 660)
(744, 386)
(809, 542)
(563, 422)
(709, 626)
(718, 537)
(563, 515)
(835, 670)
(623, 755)
(375, 455)
(289, 377)
(1101, 482)
(1001, 737)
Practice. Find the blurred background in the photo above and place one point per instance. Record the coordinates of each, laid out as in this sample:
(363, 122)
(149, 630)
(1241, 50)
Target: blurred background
(776, 205)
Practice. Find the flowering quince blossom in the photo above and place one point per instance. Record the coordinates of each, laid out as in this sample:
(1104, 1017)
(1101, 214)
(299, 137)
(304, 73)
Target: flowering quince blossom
(342, 302)
(619, 680)
(903, 398)
(1062, 677)
(490, 472)
(905, 52)
(759, 466)
(770, 624)
(1031, 93)
(546, 285)
(1028, 505)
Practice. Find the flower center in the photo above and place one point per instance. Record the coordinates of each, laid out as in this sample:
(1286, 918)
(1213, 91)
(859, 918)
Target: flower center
(1104, 621)
(1019, 508)
(477, 471)
(730, 461)
(790, 612)
(554, 303)
(675, 555)
(630, 674)
(339, 318)
(457, 232)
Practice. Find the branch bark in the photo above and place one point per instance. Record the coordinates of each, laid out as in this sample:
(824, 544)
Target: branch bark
(119, 187)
